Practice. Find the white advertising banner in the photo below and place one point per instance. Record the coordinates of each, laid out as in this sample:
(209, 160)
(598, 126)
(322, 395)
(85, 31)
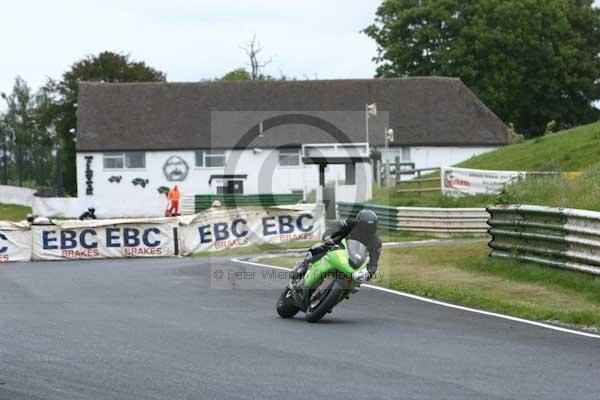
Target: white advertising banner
(16, 195)
(461, 181)
(92, 239)
(219, 229)
(15, 241)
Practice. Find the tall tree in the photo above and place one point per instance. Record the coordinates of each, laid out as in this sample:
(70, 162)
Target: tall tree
(104, 67)
(252, 49)
(20, 132)
(531, 61)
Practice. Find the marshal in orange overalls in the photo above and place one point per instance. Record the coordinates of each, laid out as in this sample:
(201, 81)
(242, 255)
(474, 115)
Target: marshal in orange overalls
(174, 196)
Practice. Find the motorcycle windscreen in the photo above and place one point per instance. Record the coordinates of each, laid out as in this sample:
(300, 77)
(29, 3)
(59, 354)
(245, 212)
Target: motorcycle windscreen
(357, 253)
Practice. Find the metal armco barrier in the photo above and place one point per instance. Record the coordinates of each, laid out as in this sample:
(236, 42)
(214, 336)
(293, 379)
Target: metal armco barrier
(422, 219)
(557, 237)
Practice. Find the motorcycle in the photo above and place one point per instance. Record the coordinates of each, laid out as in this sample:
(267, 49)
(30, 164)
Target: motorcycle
(328, 281)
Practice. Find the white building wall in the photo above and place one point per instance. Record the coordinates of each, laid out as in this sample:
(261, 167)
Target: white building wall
(264, 175)
(435, 156)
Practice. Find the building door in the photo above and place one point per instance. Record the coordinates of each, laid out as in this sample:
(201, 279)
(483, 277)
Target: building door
(236, 187)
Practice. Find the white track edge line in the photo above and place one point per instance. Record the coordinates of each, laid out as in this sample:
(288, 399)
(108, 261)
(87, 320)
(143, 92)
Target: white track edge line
(449, 305)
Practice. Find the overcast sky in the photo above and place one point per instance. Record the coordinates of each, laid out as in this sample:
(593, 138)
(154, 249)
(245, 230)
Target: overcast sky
(190, 40)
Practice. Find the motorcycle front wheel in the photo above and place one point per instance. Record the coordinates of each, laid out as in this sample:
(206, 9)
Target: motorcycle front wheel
(285, 305)
(326, 302)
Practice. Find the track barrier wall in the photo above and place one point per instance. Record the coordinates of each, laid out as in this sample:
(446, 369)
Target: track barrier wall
(16, 195)
(15, 241)
(442, 221)
(75, 240)
(212, 230)
(225, 228)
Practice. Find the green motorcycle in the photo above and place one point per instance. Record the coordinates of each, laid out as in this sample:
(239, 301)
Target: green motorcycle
(328, 280)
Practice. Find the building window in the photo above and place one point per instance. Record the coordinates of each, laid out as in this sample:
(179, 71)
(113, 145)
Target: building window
(289, 157)
(214, 158)
(199, 158)
(135, 159)
(210, 158)
(128, 160)
(113, 161)
(406, 154)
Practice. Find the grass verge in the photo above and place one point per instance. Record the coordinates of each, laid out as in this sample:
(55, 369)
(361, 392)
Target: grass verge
(13, 212)
(390, 197)
(582, 192)
(257, 249)
(464, 274)
(385, 236)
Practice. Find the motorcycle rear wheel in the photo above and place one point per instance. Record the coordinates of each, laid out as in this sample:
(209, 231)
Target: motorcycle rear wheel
(330, 299)
(285, 305)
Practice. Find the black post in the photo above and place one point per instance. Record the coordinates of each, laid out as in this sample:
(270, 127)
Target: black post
(398, 172)
(4, 160)
(350, 174)
(37, 159)
(60, 190)
(20, 164)
(322, 175)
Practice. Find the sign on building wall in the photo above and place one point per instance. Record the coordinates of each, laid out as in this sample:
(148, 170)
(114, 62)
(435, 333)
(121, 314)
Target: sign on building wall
(15, 241)
(460, 181)
(175, 169)
(89, 176)
(220, 229)
(105, 239)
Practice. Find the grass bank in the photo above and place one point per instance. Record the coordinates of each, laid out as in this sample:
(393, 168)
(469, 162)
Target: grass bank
(582, 192)
(464, 274)
(13, 212)
(569, 150)
(389, 196)
(573, 150)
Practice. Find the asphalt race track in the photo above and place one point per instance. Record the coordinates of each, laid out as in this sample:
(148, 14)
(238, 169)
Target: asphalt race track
(159, 329)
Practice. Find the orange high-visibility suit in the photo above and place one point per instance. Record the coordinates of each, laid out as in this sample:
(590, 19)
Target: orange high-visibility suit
(174, 196)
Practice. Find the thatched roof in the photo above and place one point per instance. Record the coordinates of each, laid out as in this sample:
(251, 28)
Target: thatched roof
(167, 116)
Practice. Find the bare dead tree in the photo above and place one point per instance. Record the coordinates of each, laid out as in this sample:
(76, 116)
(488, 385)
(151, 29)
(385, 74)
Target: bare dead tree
(252, 48)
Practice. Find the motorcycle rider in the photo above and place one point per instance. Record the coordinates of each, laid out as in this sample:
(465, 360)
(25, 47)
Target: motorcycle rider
(363, 228)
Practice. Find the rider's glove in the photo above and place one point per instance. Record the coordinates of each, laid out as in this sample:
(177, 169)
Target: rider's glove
(361, 276)
(328, 242)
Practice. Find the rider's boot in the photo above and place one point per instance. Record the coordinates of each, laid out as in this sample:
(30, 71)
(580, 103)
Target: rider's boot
(301, 267)
(299, 291)
(299, 270)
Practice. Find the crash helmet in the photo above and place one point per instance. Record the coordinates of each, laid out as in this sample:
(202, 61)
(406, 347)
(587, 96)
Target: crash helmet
(366, 223)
